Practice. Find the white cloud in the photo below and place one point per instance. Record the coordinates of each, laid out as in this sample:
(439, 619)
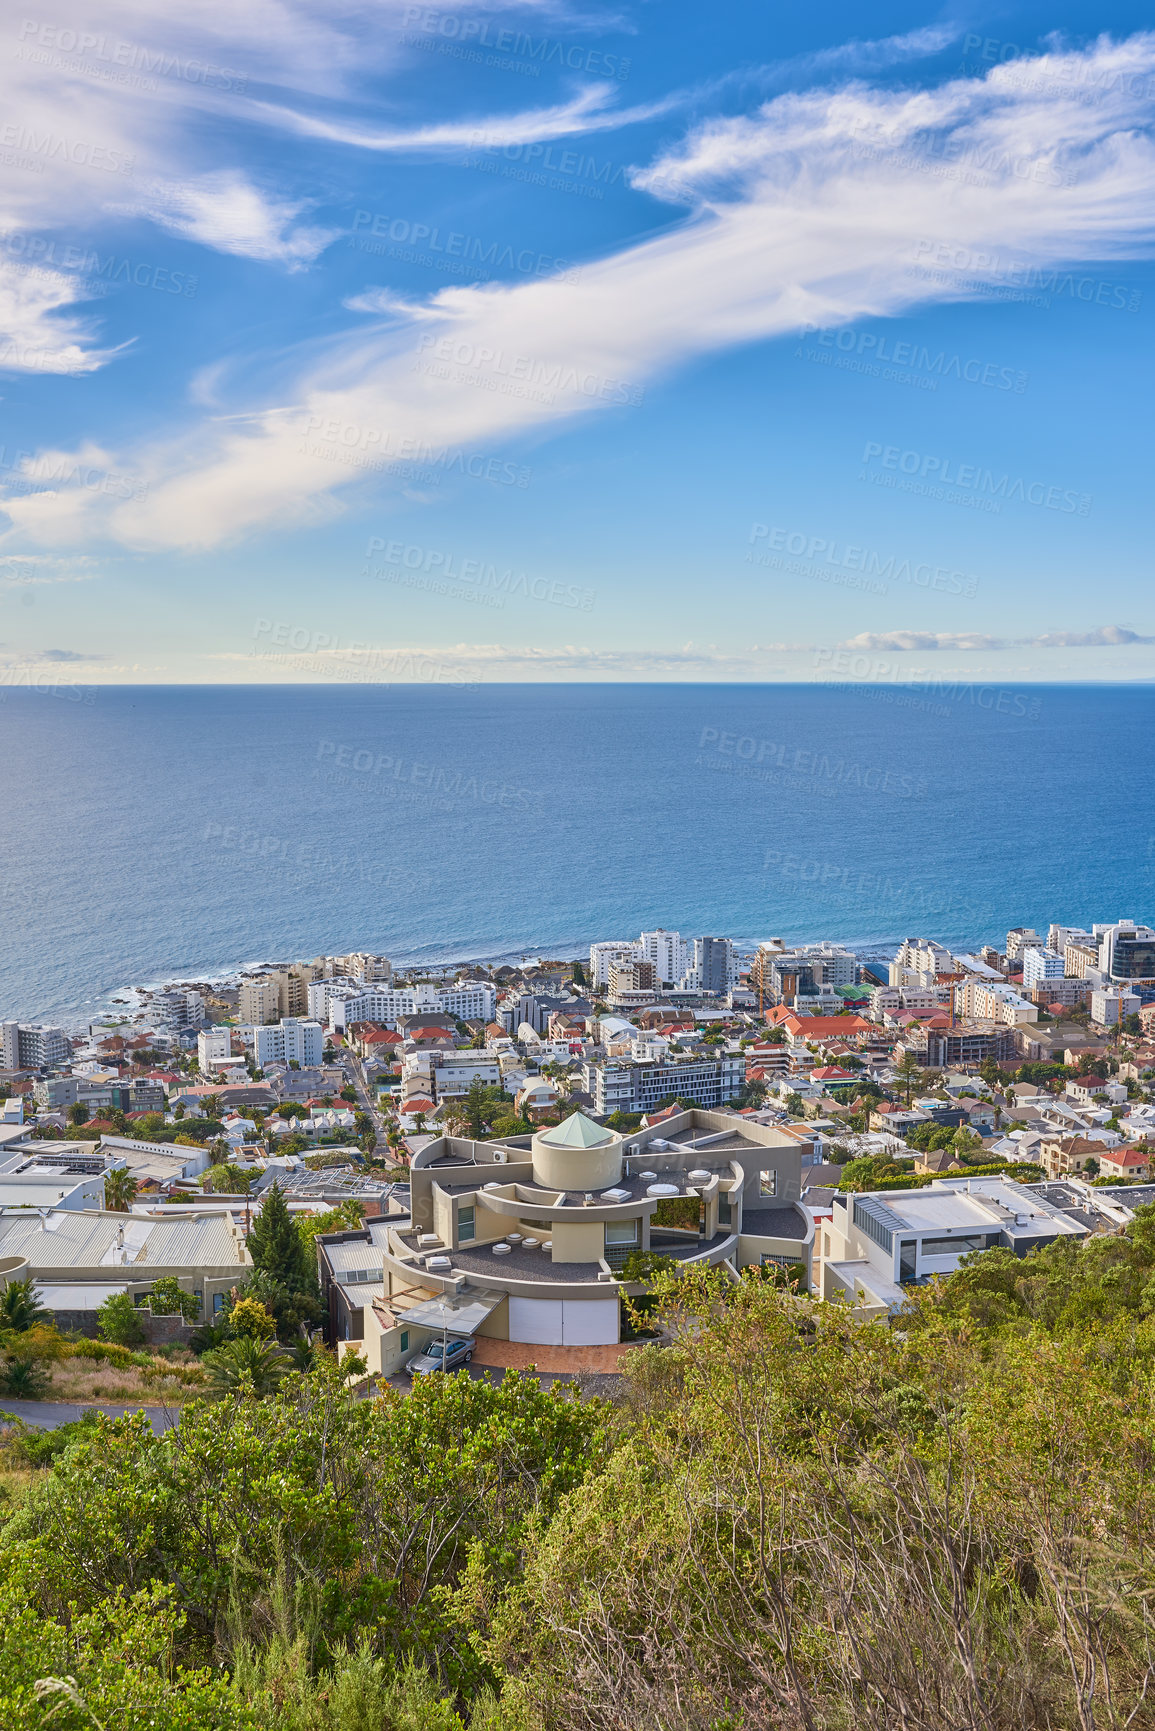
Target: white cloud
(1102, 637)
(225, 211)
(811, 209)
(915, 640)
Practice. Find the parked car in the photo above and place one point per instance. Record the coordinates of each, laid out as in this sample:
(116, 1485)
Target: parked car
(441, 1355)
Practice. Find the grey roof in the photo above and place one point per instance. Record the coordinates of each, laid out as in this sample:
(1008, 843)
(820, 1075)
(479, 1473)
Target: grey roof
(71, 1238)
(773, 1223)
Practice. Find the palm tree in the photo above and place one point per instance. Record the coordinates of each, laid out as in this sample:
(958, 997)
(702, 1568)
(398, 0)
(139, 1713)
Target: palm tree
(120, 1189)
(20, 1307)
(246, 1366)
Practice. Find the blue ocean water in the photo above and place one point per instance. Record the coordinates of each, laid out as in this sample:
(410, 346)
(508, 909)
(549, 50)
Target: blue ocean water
(149, 833)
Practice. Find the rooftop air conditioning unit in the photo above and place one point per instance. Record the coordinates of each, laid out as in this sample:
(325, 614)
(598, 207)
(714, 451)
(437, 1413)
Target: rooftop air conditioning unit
(500, 1156)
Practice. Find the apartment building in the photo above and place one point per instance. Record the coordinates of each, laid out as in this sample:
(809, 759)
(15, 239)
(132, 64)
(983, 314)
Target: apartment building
(259, 1000)
(1040, 965)
(1081, 957)
(214, 1047)
(291, 1040)
(666, 953)
(637, 1084)
(1127, 954)
(1111, 1005)
(604, 955)
(176, 1008)
(1058, 937)
(367, 969)
(918, 961)
(631, 983)
(711, 967)
(986, 1001)
(338, 1003)
(1019, 940)
(29, 1046)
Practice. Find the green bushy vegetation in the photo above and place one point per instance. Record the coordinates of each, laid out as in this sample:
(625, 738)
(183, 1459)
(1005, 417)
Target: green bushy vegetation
(786, 1519)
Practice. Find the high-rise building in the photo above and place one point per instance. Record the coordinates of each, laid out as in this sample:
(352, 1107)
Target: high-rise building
(1021, 938)
(604, 955)
(1040, 965)
(289, 1041)
(666, 952)
(712, 969)
(27, 1046)
(1127, 953)
(214, 1046)
(259, 999)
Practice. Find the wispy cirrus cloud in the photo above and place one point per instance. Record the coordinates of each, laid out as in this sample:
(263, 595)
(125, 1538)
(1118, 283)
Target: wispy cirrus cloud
(809, 209)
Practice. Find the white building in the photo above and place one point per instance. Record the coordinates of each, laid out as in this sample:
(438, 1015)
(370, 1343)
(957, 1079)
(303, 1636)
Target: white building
(987, 1002)
(1021, 938)
(1058, 937)
(875, 1245)
(1040, 965)
(177, 1007)
(30, 1047)
(604, 955)
(339, 1003)
(666, 951)
(290, 1041)
(214, 1047)
(1111, 1004)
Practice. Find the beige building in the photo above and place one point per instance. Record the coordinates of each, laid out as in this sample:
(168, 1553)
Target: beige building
(526, 1241)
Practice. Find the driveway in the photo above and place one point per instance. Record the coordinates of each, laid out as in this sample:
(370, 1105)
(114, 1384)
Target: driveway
(49, 1414)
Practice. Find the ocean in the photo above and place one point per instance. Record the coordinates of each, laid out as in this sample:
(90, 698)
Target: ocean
(154, 833)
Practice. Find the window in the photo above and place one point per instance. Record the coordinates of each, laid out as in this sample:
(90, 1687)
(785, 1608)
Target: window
(405, 1340)
(955, 1246)
(907, 1260)
(621, 1232)
(725, 1208)
(465, 1225)
(768, 1183)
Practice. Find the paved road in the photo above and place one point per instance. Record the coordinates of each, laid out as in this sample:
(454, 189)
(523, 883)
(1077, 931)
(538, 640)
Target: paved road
(48, 1414)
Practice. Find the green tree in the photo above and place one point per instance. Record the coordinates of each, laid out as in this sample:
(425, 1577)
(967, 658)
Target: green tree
(245, 1365)
(20, 1307)
(252, 1320)
(169, 1298)
(78, 1113)
(908, 1070)
(119, 1320)
(285, 1275)
(120, 1189)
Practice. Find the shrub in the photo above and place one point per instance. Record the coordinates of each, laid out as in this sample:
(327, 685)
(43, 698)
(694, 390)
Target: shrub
(119, 1320)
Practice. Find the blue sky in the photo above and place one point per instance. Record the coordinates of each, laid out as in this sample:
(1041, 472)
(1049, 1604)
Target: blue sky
(345, 342)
